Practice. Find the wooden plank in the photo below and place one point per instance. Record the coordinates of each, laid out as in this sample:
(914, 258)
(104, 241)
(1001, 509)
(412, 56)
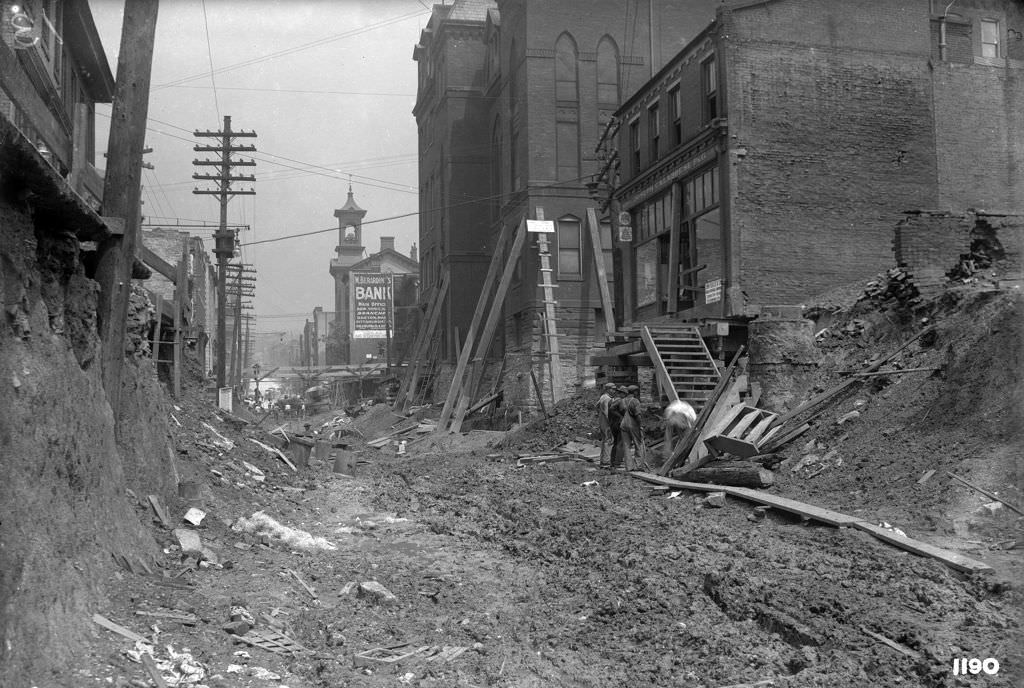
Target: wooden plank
(985, 492)
(304, 584)
(891, 643)
(732, 445)
(158, 509)
(761, 427)
(597, 248)
(673, 248)
(118, 628)
(478, 314)
(151, 668)
(776, 438)
(147, 256)
(664, 380)
(423, 338)
(492, 322)
(947, 557)
(832, 518)
(748, 416)
(897, 372)
(926, 477)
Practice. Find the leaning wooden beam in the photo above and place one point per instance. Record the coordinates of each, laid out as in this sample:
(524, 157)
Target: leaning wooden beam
(683, 449)
(664, 380)
(157, 263)
(423, 338)
(487, 335)
(897, 372)
(478, 315)
(833, 518)
(597, 248)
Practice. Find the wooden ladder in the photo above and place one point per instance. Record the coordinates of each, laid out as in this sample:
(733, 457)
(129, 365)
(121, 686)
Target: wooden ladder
(682, 362)
(550, 320)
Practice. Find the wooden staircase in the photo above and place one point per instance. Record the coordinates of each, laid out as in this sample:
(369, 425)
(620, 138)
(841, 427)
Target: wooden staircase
(687, 364)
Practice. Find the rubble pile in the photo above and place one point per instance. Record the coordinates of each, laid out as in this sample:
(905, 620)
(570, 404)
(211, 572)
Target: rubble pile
(894, 290)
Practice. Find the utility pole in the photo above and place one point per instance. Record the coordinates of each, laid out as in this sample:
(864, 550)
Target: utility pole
(122, 190)
(224, 238)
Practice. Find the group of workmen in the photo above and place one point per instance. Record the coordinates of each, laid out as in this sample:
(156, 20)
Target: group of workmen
(622, 436)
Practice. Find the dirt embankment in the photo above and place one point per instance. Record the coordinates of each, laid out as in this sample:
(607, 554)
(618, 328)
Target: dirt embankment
(63, 510)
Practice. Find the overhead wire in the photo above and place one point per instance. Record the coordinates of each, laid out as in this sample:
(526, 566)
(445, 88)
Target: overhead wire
(292, 50)
(209, 54)
(479, 199)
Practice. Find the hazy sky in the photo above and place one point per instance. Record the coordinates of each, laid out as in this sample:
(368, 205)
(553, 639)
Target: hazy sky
(328, 86)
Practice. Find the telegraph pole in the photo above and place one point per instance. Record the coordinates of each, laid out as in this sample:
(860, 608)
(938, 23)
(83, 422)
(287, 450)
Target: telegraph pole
(224, 238)
(121, 187)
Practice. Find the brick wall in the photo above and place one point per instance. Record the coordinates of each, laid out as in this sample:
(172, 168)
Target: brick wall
(830, 138)
(930, 244)
(979, 129)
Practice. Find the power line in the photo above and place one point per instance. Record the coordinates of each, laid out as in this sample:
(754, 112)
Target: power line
(293, 50)
(416, 212)
(301, 91)
(209, 54)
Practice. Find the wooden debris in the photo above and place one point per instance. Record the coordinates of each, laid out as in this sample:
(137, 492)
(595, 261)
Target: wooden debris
(985, 492)
(897, 372)
(926, 477)
(151, 668)
(736, 473)
(179, 617)
(275, 451)
(270, 640)
(682, 450)
(386, 655)
(161, 513)
(118, 628)
(834, 518)
(892, 643)
(304, 584)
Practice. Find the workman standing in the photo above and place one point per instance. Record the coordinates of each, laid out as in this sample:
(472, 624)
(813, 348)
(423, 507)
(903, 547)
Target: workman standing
(615, 411)
(679, 418)
(604, 425)
(632, 432)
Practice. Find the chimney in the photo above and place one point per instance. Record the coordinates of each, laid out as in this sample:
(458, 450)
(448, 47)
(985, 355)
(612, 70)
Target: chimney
(412, 252)
(387, 242)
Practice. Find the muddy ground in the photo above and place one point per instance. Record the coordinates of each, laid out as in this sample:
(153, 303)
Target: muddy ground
(562, 574)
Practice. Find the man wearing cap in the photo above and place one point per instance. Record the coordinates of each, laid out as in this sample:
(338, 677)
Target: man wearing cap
(604, 425)
(632, 431)
(616, 409)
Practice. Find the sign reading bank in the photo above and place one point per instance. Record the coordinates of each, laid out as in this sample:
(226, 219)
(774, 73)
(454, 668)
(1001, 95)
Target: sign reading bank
(372, 303)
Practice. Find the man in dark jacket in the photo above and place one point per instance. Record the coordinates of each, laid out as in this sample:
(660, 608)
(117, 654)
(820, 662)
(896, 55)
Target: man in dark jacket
(616, 409)
(604, 425)
(632, 432)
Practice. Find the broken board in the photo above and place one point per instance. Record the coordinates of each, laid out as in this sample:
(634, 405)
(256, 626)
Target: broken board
(835, 518)
(270, 640)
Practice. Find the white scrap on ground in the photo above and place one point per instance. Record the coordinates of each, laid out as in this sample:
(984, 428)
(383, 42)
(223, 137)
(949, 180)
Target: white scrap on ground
(261, 524)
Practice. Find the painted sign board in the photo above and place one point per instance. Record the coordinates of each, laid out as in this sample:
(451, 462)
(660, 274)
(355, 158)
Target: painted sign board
(372, 304)
(545, 226)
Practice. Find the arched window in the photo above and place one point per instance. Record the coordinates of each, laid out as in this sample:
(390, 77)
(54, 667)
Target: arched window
(566, 87)
(567, 119)
(607, 73)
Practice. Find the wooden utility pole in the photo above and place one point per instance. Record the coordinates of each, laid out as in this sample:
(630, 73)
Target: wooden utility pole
(224, 238)
(121, 186)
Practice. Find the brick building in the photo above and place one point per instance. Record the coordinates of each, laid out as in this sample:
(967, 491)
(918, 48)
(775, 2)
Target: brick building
(771, 158)
(170, 246)
(513, 97)
(346, 343)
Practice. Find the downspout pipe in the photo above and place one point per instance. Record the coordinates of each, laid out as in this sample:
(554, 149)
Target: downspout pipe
(942, 32)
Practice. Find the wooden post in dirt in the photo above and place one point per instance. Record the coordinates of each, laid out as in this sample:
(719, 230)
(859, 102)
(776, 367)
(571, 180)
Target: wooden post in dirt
(121, 186)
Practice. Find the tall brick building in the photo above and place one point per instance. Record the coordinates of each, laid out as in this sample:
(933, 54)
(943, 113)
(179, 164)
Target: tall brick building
(513, 97)
(771, 158)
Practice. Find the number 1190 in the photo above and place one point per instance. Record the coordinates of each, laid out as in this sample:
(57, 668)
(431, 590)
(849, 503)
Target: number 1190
(973, 665)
